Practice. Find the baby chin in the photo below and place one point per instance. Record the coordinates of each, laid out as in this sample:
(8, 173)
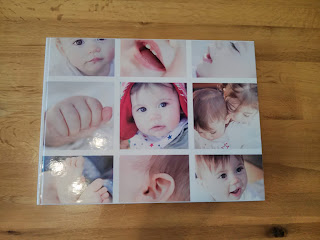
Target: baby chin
(159, 131)
(202, 71)
(94, 68)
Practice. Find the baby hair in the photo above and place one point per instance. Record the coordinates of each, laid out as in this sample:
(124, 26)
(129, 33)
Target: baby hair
(241, 94)
(211, 162)
(137, 86)
(209, 105)
(178, 168)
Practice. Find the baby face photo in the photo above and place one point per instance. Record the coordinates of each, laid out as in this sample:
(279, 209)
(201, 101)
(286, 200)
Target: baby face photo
(153, 116)
(79, 116)
(224, 113)
(82, 57)
(226, 178)
(147, 179)
(229, 59)
(153, 58)
(77, 180)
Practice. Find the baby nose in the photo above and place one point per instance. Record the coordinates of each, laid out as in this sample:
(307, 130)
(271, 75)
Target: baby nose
(154, 116)
(94, 48)
(234, 179)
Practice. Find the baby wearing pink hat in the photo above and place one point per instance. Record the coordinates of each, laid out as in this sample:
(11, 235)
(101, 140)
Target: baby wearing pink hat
(154, 115)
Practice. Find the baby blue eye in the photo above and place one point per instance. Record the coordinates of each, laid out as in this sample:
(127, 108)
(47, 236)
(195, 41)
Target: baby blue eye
(223, 175)
(142, 109)
(239, 169)
(164, 104)
(78, 42)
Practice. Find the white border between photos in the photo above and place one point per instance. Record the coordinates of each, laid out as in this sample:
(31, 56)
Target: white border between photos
(189, 58)
(116, 152)
(253, 151)
(68, 153)
(117, 57)
(116, 137)
(44, 103)
(190, 115)
(224, 80)
(85, 79)
(154, 79)
(154, 152)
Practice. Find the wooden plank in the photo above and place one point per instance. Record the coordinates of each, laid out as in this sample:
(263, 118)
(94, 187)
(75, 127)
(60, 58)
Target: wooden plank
(287, 37)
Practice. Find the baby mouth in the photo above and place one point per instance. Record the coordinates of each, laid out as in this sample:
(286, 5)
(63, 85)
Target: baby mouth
(207, 58)
(236, 192)
(95, 60)
(149, 55)
(158, 128)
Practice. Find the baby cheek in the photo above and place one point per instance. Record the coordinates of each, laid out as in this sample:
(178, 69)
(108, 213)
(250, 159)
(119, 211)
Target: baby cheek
(171, 56)
(242, 119)
(219, 190)
(245, 179)
(75, 59)
(207, 136)
(109, 54)
(139, 121)
(221, 132)
(174, 119)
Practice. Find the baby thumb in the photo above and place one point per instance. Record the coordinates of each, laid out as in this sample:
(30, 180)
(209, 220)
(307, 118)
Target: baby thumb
(106, 114)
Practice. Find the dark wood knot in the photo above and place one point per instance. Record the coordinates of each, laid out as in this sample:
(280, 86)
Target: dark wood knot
(278, 231)
(10, 232)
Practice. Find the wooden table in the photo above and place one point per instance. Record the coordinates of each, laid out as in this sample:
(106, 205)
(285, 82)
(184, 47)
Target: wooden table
(287, 38)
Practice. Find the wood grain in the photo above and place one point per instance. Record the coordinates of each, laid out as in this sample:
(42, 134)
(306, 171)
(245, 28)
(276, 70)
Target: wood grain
(287, 39)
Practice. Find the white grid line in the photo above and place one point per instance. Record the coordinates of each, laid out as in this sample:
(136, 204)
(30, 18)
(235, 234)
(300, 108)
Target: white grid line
(116, 144)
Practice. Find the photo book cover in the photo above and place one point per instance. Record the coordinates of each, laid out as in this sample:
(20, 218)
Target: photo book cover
(149, 121)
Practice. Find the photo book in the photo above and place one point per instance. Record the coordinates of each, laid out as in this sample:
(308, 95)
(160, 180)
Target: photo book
(149, 121)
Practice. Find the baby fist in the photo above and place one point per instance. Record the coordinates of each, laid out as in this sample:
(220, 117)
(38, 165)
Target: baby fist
(74, 118)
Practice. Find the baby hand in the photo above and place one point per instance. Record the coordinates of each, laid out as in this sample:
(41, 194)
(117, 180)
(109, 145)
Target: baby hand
(74, 118)
(228, 119)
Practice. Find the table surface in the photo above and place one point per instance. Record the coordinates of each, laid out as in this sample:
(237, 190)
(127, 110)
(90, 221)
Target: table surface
(287, 40)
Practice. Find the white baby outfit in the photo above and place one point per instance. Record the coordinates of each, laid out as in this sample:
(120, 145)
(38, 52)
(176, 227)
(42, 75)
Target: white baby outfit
(141, 140)
(236, 136)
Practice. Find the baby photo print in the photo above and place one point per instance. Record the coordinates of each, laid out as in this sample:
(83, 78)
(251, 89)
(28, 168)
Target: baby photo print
(153, 116)
(77, 180)
(82, 57)
(226, 116)
(153, 58)
(223, 59)
(79, 116)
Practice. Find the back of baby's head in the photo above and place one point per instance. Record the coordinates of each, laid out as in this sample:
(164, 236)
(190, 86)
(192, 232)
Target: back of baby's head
(241, 94)
(208, 106)
(178, 168)
(207, 164)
